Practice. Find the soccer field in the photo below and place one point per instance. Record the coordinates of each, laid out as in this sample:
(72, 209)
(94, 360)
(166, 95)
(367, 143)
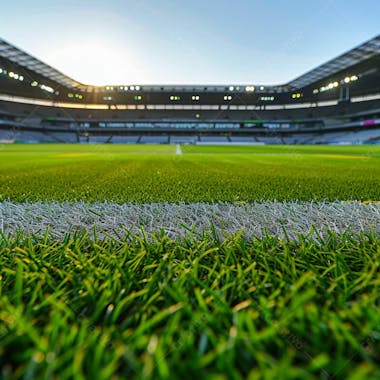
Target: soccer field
(110, 270)
(157, 173)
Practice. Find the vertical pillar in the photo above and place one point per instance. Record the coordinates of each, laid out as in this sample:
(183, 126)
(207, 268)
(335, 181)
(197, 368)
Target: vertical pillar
(347, 93)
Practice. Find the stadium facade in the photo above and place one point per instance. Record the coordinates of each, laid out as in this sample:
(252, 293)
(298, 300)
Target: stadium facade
(337, 102)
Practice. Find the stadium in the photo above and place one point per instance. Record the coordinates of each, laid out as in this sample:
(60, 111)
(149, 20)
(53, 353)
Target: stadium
(336, 103)
(196, 231)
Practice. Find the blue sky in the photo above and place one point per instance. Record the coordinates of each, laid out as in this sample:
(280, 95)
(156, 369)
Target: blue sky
(187, 42)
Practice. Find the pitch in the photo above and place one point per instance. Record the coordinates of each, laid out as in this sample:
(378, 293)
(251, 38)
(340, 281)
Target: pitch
(108, 268)
(157, 173)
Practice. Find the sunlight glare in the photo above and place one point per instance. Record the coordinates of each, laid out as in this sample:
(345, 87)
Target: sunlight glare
(97, 62)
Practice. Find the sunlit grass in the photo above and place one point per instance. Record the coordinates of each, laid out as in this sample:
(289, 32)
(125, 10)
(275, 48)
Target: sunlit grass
(148, 307)
(157, 309)
(154, 173)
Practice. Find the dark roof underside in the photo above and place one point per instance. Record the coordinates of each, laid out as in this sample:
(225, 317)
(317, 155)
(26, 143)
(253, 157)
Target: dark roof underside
(357, 55)
(23, 59)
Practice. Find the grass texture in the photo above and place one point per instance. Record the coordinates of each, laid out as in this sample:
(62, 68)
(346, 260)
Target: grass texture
(154, 308)
(141, 305)
(155, 173)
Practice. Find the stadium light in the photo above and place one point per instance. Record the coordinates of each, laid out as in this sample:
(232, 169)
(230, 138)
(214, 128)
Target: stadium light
(331, 85)
(250, 88)
(47, 88)
(347, 80)
(231, 88)
(267, 98)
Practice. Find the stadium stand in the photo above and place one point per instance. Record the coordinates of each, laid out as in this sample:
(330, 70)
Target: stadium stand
(337, 102)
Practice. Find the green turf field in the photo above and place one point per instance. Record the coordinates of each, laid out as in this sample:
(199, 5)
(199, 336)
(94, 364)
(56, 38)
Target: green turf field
(144, 306)
(151, 173)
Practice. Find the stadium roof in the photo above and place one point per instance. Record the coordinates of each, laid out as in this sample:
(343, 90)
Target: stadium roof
(357, 55)
(23, 59)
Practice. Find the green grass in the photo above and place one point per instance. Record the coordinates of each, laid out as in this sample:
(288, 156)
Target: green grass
(153, 308)
(153, 173)
(160, 309)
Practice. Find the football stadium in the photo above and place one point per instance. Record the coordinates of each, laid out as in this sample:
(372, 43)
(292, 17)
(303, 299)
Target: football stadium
(335, 103)
(188, 231)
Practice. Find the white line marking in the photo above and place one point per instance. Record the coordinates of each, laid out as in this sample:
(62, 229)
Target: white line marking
(177, 219)
(178, 150)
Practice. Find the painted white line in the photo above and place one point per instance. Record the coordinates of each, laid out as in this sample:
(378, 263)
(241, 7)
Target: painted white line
(178, 150)
(254, 219)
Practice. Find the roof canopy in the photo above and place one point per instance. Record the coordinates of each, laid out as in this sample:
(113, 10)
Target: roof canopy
(23, 59)
(355, 56)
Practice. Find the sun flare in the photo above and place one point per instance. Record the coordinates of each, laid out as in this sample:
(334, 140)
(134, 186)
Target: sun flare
(97, 62)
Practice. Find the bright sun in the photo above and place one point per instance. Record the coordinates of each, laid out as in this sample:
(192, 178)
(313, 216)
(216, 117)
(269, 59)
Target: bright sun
(97, 63)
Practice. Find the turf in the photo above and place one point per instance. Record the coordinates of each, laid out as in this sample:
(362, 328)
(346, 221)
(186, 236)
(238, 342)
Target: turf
(205, 309)
(154, 173)
(143, 306)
